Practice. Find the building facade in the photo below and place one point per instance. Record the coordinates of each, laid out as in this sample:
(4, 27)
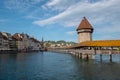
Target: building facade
(35, 44)
(19, 42)
(5, 41)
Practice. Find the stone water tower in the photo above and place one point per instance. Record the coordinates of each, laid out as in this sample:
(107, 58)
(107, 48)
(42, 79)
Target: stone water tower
(84, 31)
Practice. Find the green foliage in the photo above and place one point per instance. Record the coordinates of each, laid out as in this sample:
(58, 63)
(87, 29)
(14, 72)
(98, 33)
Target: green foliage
(118, 48)
(61, 42)
(48, 44)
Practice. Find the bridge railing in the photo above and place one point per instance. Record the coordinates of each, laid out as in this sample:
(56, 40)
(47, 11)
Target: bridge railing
(108, 51)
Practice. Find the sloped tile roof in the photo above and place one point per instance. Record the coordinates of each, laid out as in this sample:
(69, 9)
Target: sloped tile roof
(17, 36)
(84, 24)
(5, 35)
(99, 43)
(34, 40)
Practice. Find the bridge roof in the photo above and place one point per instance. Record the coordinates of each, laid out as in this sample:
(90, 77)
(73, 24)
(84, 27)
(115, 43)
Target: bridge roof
(98, 43)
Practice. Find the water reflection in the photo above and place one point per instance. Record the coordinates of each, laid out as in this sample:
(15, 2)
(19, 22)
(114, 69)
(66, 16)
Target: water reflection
(57, 66)
(97, 70)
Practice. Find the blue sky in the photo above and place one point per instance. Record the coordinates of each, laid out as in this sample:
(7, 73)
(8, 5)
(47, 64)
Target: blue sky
(58, 19)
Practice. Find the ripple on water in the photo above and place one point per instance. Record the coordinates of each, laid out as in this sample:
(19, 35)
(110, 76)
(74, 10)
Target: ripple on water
(57, 66)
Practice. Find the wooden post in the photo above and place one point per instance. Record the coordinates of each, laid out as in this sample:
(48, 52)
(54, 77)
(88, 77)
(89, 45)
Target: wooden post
(80, 55)
(100, 57)
(110, 53)
(110, 57)
(87, 56)
(95, 50)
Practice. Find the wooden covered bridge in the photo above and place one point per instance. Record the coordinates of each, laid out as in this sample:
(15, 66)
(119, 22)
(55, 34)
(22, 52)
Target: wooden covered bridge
(87, 50)
(86, 47)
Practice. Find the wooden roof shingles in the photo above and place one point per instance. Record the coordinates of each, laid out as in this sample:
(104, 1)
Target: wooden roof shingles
(84, 24)
(100, 43)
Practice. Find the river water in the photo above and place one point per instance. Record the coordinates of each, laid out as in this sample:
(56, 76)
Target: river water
(57, 66)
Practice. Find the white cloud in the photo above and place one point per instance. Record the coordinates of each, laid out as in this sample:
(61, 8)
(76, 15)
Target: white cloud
(20, 4)
(104, 15)
(97, 12)
(53, 2)
(60, 4)
(71, 32)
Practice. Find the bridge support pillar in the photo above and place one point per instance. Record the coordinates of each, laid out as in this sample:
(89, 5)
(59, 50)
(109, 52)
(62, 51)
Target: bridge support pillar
(91, 56)
(100, 57)
(88, 56)
(84, 56)
(80, 55)
(110, 57)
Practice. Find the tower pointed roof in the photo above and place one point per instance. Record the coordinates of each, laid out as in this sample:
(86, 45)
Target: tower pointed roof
(84, 24)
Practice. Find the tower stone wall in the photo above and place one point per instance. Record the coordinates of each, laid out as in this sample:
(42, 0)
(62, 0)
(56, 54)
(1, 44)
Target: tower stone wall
(85, 31)
(87, 36)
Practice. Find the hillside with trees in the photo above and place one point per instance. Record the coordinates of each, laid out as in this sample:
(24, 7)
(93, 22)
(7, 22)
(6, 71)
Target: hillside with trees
(60, 43)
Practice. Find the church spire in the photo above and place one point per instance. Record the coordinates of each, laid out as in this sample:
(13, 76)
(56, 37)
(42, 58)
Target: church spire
(42, 39)
(42, 43)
